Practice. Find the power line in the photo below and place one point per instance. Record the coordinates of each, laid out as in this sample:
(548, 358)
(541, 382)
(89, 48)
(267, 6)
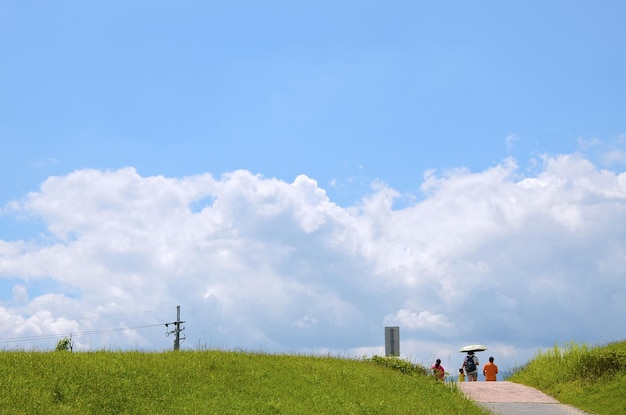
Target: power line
(54, 320)
(79, 333)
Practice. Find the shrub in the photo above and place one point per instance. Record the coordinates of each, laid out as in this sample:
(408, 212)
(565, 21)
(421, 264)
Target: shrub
(65, 344)
(398, 364)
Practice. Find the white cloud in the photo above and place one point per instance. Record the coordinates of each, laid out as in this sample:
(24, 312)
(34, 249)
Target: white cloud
(510, 141)
(587, 143)
(257, 263)
(422, 320)
(20, 294)
(609, 154)
(44, 163)
(614, 156)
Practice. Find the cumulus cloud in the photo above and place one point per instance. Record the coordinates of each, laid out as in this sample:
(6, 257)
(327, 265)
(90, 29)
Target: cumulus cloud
(510, 141)
(412, 320)
(258, 263)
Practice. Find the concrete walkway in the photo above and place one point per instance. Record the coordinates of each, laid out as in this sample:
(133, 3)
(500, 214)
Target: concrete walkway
(508, 398)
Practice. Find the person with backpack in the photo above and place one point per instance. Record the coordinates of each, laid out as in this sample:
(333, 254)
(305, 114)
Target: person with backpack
(470, 364)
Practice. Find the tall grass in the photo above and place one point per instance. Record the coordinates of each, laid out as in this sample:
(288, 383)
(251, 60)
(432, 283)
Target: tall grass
(218, 382)
(591, 378)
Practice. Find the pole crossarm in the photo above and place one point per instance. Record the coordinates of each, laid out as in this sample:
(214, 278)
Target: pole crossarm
(177, 329)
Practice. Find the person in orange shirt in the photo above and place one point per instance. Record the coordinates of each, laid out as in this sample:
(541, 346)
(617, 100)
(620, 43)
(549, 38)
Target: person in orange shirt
(490, 370)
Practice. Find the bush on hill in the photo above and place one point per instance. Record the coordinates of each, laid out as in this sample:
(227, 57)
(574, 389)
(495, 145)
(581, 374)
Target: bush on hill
(591, 378)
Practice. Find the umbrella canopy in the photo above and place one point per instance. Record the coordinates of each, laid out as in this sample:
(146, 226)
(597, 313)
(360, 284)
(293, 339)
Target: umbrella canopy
(473, 348)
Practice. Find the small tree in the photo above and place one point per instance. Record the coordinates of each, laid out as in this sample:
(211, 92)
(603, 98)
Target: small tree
(65, 344)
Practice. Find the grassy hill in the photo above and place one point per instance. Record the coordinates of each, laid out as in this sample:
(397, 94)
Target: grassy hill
(218, 382)
(590, 378)
(222, 382)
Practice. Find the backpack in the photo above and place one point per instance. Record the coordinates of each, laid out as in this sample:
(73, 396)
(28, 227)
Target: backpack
(470, 366)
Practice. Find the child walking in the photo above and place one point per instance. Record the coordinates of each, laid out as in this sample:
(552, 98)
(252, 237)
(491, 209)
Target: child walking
(461, 375)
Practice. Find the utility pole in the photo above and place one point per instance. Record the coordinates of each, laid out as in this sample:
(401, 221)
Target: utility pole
(177, 329)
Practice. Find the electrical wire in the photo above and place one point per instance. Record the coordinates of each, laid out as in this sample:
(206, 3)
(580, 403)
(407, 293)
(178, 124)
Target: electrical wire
(54, 320)
(100, 315)
(75, 333)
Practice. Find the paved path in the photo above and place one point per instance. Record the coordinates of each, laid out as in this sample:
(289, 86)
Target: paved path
(508, 398)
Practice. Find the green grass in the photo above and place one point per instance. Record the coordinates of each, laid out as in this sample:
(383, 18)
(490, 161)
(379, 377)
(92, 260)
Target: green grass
(219, 382)
(590, 378)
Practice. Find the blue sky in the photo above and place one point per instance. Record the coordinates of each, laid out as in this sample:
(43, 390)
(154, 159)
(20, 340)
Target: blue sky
(377, 123)
(331, 90)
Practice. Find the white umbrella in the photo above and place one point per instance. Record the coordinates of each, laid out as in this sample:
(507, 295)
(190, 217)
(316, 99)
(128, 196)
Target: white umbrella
(473, 348)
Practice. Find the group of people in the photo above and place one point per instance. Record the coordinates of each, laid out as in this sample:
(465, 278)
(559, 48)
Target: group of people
(469, 367)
